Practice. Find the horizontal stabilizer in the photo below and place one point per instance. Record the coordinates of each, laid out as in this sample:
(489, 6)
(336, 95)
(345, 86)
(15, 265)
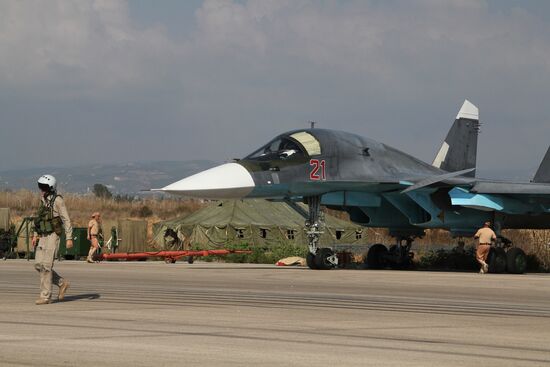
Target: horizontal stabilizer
(434, 179)
(543, 173)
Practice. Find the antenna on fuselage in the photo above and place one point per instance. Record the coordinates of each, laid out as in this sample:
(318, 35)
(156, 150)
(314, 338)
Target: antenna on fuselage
(312, 123)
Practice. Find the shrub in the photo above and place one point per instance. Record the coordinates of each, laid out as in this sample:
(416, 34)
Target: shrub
(449, 259)
(101, 191)
(143, 212)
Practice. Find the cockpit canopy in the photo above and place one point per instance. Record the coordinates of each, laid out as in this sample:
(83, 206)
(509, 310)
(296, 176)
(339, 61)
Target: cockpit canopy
(298, 145)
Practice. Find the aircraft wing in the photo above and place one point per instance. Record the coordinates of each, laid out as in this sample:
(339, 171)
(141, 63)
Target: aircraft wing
(438, 178)
(510, 188)
(539, 186)
(482, 186)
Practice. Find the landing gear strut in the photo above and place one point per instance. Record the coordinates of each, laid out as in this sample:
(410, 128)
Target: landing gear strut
(317, 258)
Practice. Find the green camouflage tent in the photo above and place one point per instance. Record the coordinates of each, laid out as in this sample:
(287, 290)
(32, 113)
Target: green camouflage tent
(254, 222)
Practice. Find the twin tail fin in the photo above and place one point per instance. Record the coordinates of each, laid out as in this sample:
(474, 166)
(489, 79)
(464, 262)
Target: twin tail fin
(543, 173)
(459, 149)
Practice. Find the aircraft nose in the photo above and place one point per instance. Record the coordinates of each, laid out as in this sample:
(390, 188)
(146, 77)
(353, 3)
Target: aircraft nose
(227, 181)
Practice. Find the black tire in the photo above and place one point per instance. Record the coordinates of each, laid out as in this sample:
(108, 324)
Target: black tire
(516, 261)
(321, 259)
(497, 260)
(375, 257)
(396, 260)
(310, 261)
(190, 260)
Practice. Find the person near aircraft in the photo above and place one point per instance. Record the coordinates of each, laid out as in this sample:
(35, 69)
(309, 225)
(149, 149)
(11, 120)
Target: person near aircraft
(486, 236)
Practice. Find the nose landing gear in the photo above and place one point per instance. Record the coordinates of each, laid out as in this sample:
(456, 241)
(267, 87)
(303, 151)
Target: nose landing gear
(317, 258)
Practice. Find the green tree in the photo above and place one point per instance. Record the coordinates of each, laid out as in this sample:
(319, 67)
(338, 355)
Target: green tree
(143, 212)
(101, 191)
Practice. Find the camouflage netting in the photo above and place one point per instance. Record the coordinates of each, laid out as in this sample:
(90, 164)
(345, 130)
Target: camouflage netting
(253, 222)
(132, 235)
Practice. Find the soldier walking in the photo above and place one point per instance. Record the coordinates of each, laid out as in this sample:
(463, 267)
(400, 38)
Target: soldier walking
(486, 237)
(51, 220)
(94, 233)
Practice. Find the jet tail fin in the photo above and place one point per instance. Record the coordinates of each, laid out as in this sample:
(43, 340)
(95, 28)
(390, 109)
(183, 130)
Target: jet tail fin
(543, 173)
(459, 149)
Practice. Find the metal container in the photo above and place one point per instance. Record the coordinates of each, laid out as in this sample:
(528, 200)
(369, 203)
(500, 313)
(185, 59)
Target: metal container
(81, 245)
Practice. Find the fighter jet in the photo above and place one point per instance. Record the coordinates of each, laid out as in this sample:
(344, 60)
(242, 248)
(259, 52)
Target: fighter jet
(380, 186)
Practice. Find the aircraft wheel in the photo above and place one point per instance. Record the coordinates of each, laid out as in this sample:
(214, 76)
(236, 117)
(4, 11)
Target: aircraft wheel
(321, 259)
(190, 260)
(376, 256)
(398, 260)
(497, 260)
(310, 261)
(516, 261)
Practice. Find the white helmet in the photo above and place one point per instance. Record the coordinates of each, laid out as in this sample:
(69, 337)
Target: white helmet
(47, 183)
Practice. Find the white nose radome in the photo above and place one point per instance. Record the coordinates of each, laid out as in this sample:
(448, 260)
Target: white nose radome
(228, 181)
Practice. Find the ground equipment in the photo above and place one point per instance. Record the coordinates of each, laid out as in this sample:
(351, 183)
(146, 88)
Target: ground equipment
(169, 256)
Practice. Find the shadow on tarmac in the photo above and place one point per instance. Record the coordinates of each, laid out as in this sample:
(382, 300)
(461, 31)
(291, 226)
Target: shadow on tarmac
(88, 296)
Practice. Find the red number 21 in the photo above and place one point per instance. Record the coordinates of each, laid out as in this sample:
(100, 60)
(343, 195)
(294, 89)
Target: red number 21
(315, 166)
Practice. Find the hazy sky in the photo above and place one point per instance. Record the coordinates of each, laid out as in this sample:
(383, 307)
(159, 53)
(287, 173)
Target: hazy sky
(106, 81)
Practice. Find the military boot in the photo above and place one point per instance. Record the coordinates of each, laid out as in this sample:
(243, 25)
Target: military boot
(63, 289)
(42, 301)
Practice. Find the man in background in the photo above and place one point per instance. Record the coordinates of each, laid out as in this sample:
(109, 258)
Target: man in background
(94, 232)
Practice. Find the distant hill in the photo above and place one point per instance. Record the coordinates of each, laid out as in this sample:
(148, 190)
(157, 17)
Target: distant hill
(127, 178)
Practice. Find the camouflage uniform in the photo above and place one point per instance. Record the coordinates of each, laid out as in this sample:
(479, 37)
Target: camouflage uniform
(48, 245)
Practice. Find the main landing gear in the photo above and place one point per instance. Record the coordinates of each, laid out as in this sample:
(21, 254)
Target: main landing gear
(317, 258)
(503, 257)
(397, 256)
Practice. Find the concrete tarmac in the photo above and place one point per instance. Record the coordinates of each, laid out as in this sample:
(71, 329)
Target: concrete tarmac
(210, 314)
